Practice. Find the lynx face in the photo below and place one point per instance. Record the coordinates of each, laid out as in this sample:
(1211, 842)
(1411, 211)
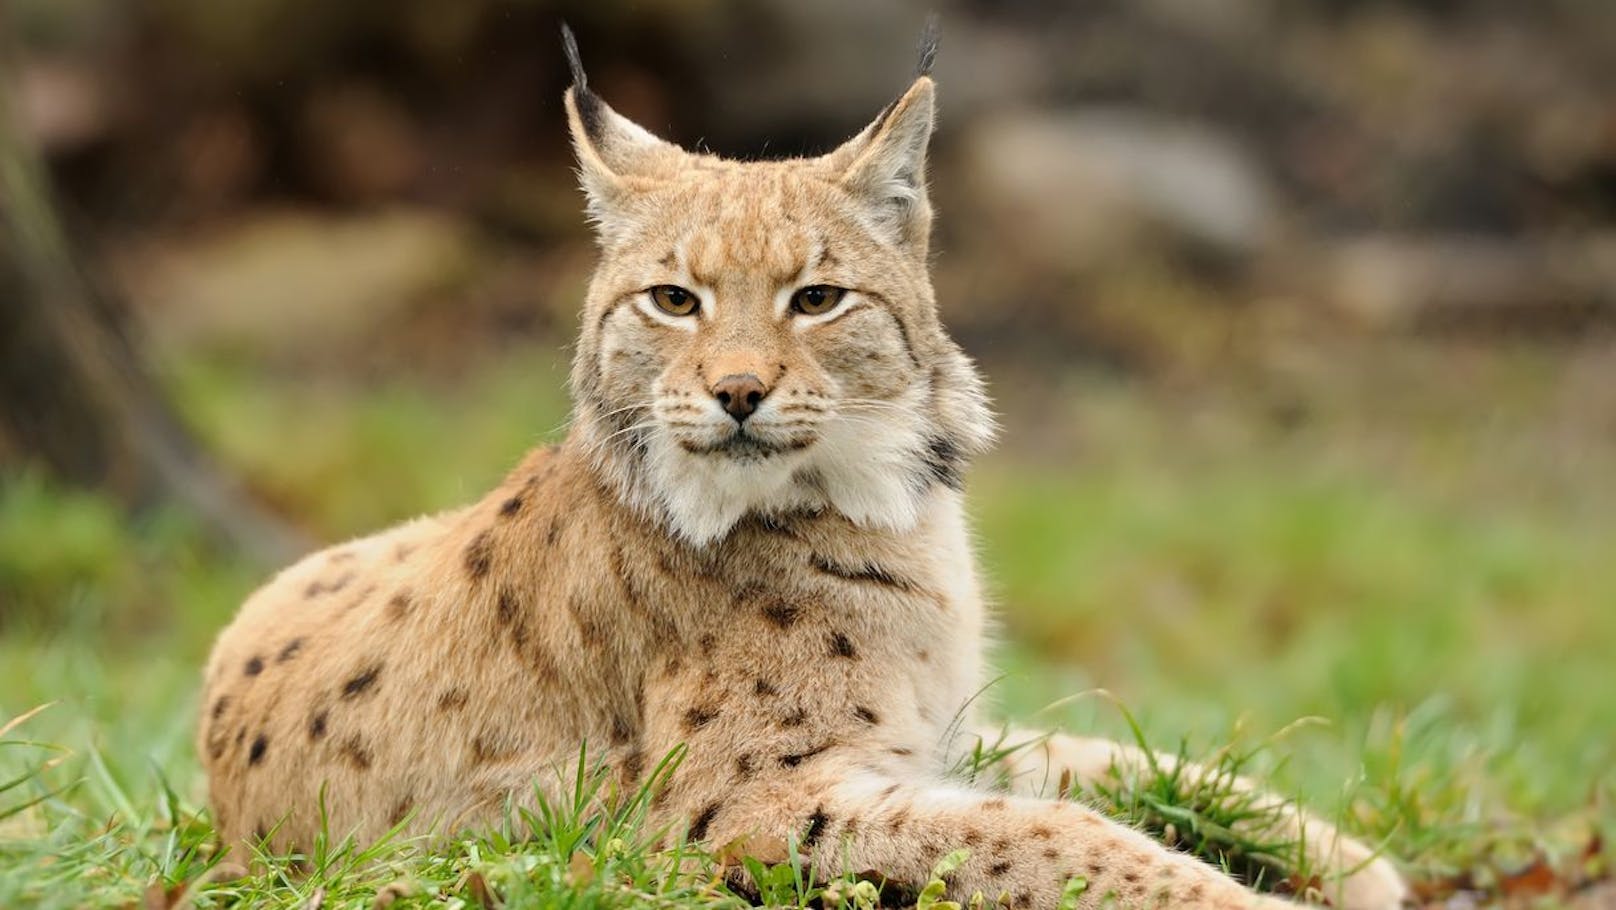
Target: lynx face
(761, 337)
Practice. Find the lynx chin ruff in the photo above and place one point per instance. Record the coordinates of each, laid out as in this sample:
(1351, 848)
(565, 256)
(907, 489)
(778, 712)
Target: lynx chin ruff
(751, 543)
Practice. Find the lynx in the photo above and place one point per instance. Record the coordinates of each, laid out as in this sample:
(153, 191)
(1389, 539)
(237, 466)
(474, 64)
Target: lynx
(751, 545)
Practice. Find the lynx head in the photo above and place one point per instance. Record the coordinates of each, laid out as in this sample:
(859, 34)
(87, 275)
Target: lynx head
(760, 337)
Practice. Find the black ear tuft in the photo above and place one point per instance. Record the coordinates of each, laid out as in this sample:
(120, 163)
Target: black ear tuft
(588, 104)
(928, 46)
(569, 46)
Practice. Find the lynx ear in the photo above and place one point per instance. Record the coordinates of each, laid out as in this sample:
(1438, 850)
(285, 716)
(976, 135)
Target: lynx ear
(884, 167)
(616, 156)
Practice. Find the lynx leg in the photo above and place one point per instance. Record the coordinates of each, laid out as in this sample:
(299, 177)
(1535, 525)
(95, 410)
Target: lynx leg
(851, 818)
(1357, 879)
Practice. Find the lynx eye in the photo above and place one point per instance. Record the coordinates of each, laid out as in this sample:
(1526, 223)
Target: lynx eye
(674, 300)
(816, 299)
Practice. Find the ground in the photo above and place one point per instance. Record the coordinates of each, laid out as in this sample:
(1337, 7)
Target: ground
(1415, 551)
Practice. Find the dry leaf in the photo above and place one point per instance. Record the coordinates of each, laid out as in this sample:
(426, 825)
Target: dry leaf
(480, 891)
(1536, 880)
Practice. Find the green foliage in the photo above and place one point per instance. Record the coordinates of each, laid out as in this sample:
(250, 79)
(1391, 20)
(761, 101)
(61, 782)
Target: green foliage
(1454, 626)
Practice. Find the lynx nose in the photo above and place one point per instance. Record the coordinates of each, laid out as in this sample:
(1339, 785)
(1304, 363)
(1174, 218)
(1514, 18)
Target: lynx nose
(740, 394)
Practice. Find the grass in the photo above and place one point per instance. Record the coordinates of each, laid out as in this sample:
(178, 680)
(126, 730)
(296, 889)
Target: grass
(1430, 577)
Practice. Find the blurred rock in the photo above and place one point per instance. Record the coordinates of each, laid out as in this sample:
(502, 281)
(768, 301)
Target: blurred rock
(1083, 187)
(1475, 283)
(295, 286)
(62, 104)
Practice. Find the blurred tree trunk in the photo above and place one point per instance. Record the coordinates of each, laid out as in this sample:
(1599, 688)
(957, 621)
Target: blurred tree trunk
(74, 394)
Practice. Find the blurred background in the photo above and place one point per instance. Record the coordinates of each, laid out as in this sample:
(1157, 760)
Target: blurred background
(1301, 317)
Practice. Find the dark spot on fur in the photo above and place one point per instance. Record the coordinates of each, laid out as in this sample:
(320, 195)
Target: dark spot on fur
(401, 809)
(1001, 845)
(554, 534)
(219, 706)
(633, 765)
(898, 820)
(698, 828)
(592, 633)
(356, 753)
(483, 751)
(698, 717)
(399, 606)
(317, 725)
(255, 755)
(866, 715)
(505, 606)
(973, 836)
(290, 651)
(999, 868)
(782, 614)
(944, 462)
(902, 751)
(842, 646)
(318, 587)
(996, 804)
(1024, 899)
(794, 759)
(453, 699)
(255, 666)
(745, 593)
(622, 730)
(764, 688)
(707, 643)
(510, 507)
(816, 827)
(362, 682)
(1042, 832)
(796, 718)
(479, 556)
(887, 793)
(869, 573)
(1131, 877)
(1051, 853)
(745, 765)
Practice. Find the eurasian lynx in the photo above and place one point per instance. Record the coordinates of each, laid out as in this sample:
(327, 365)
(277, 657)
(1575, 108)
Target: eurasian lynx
(751, 543)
